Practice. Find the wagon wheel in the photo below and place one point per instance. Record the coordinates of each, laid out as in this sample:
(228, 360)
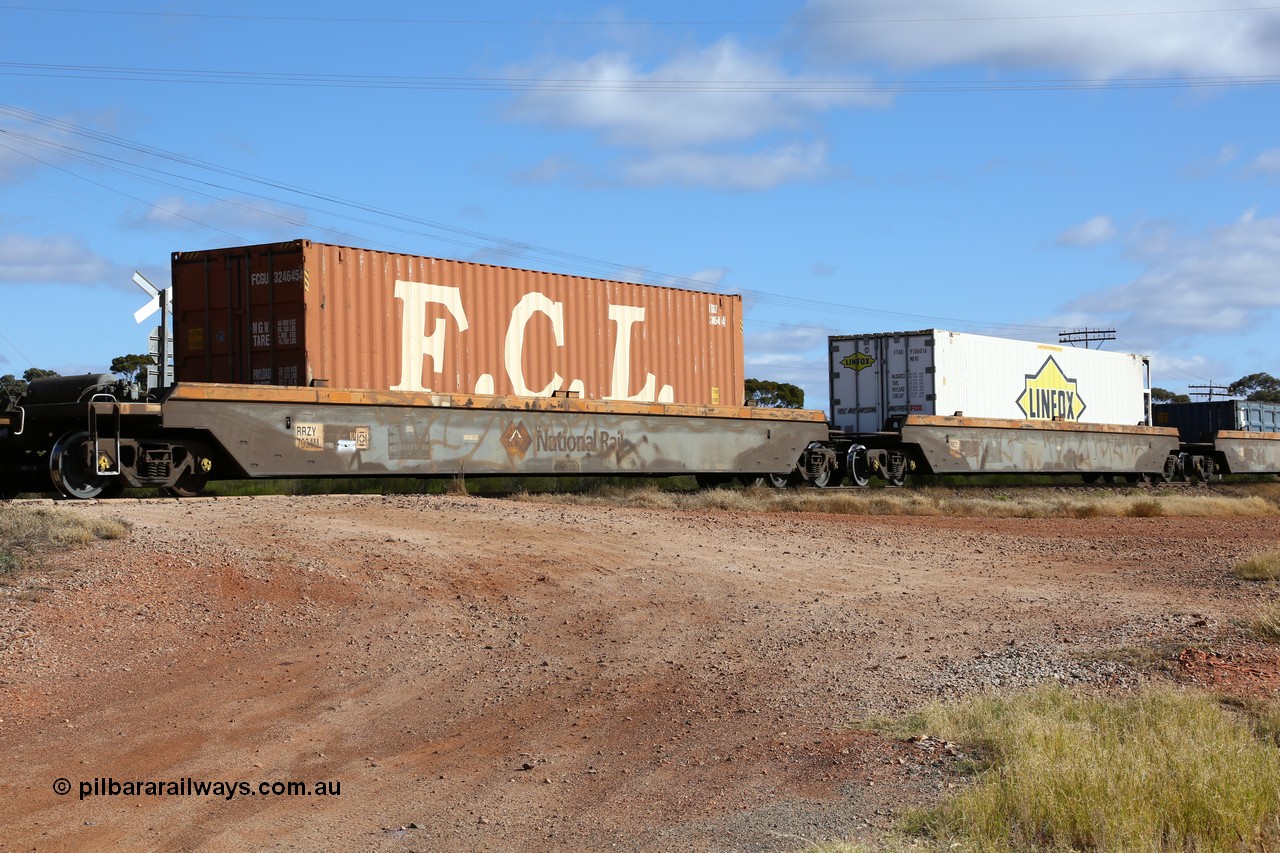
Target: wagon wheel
(856, 465)
(192, 481)
(828, 479)
(772, 481)
(73, 476)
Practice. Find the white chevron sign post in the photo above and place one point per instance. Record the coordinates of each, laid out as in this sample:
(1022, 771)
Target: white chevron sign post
(161, 341)
(154, 304)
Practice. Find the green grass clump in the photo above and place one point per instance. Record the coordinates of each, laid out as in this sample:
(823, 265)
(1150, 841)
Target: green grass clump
(1160, 771)
(29, 531)
(1260, 567)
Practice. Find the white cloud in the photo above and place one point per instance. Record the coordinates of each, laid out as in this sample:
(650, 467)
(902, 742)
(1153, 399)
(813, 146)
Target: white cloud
(174, 213)
(791, 354)
(1092, 232)
(784, 343)
(1223, 282)
(34, 142)
(61, 259)
(712, 277)
(1174, 369)
(752, 171)
(603, 98)
(1226, 155)
(28, 147)
(549, 169)
(1268, 162)
(1093, 37)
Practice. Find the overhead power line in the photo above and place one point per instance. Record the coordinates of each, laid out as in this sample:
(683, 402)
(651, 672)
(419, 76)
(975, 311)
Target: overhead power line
(606, 22)
(219, 181)
(632, 85)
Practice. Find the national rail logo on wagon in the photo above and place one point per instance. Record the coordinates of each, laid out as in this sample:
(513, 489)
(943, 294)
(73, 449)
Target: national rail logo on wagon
(1049, 394)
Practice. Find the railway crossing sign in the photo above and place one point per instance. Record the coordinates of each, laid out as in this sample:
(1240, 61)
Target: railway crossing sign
(160, 374)
(152, 306)
(155, 377)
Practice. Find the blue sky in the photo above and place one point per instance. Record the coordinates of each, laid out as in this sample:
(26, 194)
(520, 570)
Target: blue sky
(996, 166)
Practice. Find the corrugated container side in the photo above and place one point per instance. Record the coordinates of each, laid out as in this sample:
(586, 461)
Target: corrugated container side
(378, 320)
(1257, 416)
(879, 378)
(239, 315)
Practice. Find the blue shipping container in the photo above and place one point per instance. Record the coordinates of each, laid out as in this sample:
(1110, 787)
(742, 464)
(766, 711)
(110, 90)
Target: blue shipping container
(1197, 423)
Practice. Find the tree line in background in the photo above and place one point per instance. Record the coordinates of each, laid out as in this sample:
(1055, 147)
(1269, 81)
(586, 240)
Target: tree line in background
(773, 395)
(759, 392)
(132, 367)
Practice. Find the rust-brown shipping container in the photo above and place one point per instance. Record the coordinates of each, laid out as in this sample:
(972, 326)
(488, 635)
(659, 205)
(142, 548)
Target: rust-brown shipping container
(304, 313)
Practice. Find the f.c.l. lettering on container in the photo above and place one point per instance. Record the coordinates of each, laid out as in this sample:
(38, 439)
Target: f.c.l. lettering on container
(303, 313)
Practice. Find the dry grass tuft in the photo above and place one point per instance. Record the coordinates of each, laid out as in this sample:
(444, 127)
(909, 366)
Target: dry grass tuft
(1145, 508)
(1160, 771)
(1259, 567)
(1265, 625)
(886, 845)
(930, 501)
(29, 531)
(1266, 491)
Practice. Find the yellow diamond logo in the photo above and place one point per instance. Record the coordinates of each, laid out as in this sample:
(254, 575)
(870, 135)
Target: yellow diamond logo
(1050, 395)
(857, 361)
(516, 439)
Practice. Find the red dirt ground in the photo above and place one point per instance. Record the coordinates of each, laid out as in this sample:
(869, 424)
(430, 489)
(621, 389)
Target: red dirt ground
(484, 674)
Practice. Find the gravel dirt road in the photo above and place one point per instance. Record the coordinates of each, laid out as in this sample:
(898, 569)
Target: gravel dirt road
(481, 674)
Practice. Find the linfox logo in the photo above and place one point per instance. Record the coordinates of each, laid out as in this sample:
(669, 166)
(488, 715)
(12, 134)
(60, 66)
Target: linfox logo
(857, 361)
(424, 348)
(1050, 394)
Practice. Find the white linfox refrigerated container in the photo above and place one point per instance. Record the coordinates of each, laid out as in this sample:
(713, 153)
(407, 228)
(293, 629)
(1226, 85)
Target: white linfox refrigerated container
(878, 379)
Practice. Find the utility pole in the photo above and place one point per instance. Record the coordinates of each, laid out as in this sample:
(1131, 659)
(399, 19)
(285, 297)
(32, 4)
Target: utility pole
(1209, 390)
(1086, 336)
